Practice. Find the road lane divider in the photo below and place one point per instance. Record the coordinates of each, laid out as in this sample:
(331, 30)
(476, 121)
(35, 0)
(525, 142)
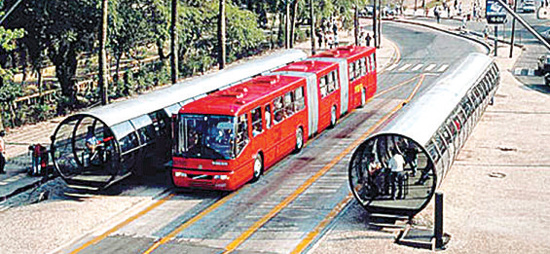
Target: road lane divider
(224, 200)
(258, 224)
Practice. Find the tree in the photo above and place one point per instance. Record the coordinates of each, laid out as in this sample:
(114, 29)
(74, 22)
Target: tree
(7, 43)
(221, 34)
(133, 24)
(65, 29)
(103, 72)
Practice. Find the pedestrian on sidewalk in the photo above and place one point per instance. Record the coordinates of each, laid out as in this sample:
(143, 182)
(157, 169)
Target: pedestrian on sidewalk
(319, 35)
(2, 152)
(367, 39)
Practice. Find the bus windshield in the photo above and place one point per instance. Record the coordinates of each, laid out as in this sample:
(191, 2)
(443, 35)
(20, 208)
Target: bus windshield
(207, 136)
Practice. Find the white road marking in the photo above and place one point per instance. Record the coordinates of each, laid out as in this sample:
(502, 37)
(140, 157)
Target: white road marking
(430, 67)
(418, 66)
(404, 67)
(443, 68)
(392, 67)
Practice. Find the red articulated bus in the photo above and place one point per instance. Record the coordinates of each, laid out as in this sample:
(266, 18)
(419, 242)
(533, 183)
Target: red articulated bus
(229, 137)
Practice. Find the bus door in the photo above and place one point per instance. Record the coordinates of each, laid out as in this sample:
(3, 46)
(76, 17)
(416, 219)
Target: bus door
(371, 74)
(270, 136)
(327, 98)
(289, 125)
(277, 129)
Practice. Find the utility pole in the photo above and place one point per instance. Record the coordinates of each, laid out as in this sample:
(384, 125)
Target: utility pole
(221, 35)
(174, 43)
(513, 29)
(374, 25)
(496, 39)
(379, 24)
(312, 26)
(287, 25)
(103, 75)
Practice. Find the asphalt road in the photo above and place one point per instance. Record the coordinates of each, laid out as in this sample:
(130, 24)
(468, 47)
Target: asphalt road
(293, 204)
(297, 196)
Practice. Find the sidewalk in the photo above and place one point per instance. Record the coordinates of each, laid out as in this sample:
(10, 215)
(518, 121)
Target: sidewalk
(18, 161)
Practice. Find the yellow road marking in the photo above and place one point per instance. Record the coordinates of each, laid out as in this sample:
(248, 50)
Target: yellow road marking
(188, 223)
(336, 210)
(222, 201)
(311, 235)
(244, 236)
(122, 224)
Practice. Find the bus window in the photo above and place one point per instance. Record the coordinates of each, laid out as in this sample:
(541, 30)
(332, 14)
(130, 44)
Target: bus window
(323, 86)
(299, 100)
(242, 133)
(289, 104)
(372, 62)
(363, 66)
(351, 71)
(278, 110)
(332, 82)
(267, 116)
(256, 121)
(357, 69)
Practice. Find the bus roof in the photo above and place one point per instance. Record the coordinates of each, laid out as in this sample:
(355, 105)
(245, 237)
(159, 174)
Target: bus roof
(234, 100)
(350, 52)
(313, 66)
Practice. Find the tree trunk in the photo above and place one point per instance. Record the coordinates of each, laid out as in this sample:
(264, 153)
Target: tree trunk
(118, 57)
(103, 78)
(293, 23)
(64, 58)
(160, 50)
(174, 43)
(287, 24)
(221, 35)
(39, 84)
(312, 26)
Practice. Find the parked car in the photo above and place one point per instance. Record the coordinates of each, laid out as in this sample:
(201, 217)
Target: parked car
(543, 64)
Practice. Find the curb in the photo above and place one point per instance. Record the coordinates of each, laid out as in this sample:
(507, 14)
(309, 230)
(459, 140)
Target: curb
(24, 188)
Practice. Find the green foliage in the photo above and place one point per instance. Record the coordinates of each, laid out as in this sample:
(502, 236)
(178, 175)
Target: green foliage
(60, 31)
(134, 23)
(197, 35)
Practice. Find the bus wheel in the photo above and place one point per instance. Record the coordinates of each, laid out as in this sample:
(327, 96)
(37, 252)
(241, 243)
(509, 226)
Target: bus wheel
(258, 168)
(363, 97)
(299, 140)
(333, 117)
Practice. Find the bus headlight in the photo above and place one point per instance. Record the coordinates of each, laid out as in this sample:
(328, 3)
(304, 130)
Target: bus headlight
(180, 174)
(221, 177)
